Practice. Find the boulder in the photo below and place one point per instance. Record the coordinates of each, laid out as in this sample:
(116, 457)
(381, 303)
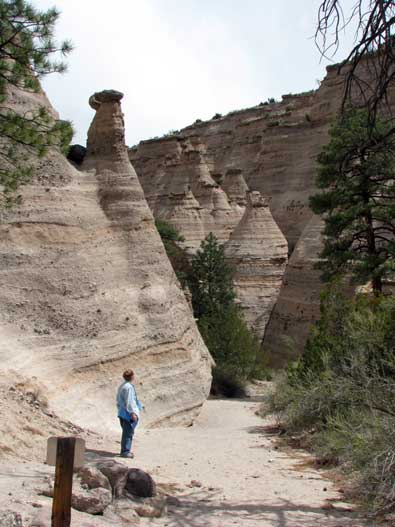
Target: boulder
(140, 483)
(93, 501)
(116, 473)
(152, 507)
(121, 511)
(76, 154)
(93, 478)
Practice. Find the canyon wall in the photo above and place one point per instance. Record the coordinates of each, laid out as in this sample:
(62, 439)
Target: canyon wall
(87, 290)
(270, 148)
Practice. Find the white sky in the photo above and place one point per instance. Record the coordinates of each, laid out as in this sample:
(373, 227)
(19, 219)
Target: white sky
(179, 60)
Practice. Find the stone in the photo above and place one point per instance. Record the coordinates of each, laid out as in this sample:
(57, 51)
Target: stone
(10, 519)
(184, 214)
(195, 483)
(76, 154)
(235, 186)
(152, 507)
(93, 501)
(121, 510)
(116, 473)
(93, 478)
(42, 518)
(108, 96)
(140, 483)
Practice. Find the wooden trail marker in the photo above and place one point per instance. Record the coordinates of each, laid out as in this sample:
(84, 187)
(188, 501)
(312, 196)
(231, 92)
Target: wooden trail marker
(66, 448)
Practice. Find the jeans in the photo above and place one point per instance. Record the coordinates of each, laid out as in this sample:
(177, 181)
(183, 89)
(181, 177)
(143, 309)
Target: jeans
(128, 428)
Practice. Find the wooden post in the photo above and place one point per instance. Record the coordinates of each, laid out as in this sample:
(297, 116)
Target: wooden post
(61, 505)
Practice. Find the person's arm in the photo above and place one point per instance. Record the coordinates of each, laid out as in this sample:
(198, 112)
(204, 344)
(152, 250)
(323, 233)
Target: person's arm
(131, 405)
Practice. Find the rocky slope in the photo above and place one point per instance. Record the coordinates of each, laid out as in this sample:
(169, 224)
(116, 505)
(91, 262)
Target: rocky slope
(87, 289)
(271, 148)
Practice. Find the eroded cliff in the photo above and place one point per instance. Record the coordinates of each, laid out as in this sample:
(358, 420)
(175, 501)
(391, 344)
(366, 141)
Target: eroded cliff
(270, 148)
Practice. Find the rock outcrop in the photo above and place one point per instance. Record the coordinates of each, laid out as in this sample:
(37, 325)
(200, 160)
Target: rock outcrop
(258, 251)
(87, 289)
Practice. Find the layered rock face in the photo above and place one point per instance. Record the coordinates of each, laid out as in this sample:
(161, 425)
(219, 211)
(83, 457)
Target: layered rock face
(87, 289)
(269, 148)
(273, 147)
(258, 251)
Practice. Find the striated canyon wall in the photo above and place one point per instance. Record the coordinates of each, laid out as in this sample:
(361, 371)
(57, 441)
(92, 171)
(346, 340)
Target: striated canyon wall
(87, 289)
(270, 148)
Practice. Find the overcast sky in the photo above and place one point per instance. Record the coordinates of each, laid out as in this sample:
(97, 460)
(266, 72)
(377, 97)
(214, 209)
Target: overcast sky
(180, 60)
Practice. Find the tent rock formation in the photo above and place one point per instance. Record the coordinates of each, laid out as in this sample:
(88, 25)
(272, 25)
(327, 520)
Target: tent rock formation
(87, 289)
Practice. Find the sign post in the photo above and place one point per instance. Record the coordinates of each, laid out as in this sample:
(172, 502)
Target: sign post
(61, 505)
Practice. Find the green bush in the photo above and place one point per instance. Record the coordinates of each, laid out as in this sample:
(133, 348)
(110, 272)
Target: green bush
(343, 390)
(177, 256)
(232, 344)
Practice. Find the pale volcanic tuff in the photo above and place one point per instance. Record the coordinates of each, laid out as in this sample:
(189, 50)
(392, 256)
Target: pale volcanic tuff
(87, 289)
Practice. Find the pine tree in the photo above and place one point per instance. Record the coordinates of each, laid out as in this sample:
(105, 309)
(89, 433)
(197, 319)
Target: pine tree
(211, 280)
(26, 50)
(357, 175)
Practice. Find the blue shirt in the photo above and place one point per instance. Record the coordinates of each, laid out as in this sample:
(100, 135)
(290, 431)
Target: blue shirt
(127, 402)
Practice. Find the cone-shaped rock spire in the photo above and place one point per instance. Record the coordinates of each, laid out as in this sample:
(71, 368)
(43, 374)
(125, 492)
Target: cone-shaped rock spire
(259, 252)
(87, 290)
(184, 215)
(235, 186)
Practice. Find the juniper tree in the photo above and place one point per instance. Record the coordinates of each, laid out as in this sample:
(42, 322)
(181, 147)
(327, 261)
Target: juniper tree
(356, 174)
(26, 50)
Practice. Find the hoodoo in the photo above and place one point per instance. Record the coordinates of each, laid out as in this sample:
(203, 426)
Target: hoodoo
(87, 289)
(259, 252)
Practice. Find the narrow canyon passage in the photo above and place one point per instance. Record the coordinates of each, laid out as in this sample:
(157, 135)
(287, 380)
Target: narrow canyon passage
(228, 472)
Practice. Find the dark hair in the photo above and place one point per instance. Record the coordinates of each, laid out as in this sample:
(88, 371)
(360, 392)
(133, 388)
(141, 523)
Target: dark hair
(128, 375)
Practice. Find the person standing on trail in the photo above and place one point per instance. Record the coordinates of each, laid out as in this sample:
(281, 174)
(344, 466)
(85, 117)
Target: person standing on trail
(128, 412)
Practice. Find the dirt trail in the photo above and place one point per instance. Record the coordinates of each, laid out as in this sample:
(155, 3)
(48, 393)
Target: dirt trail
(244, 480)
(224, 471)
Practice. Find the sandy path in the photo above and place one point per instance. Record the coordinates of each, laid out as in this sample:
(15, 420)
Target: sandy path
(245, 480)
(238, 476)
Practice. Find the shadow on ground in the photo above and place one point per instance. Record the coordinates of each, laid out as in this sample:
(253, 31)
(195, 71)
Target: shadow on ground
(198, 510)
